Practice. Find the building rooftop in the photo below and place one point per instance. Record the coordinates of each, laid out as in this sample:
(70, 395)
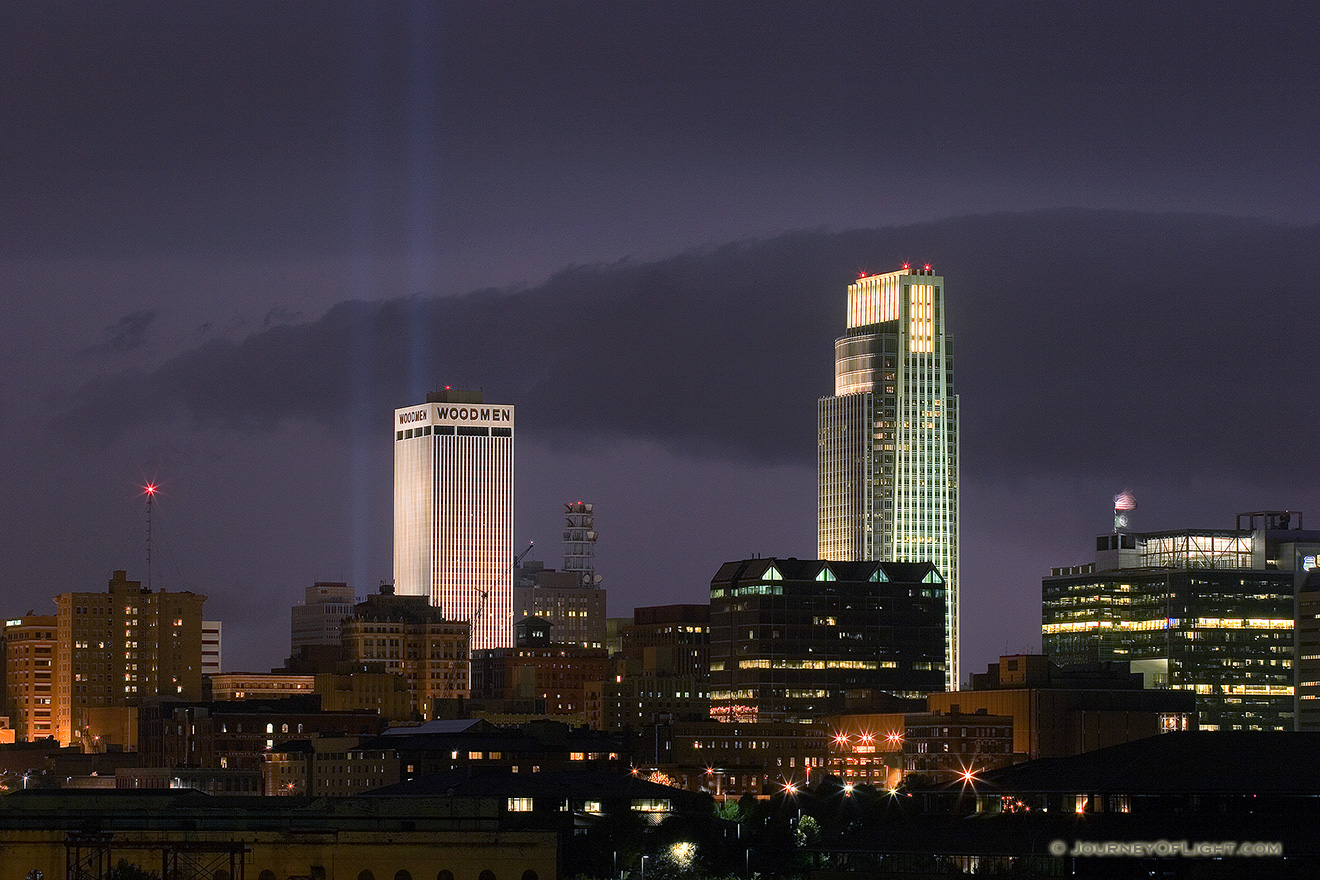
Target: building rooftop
(1228, 762)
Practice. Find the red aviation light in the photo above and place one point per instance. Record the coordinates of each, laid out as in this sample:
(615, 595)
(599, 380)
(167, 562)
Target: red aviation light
(149, 489)
(928, 267)
(905, 266)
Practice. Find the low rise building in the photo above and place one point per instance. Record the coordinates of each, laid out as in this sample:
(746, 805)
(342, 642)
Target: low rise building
(406, 636)
(663, 672)
(259, 685)
(885, 749)
(474, 744)
(537, 669)
(62, 834)
(732, 759)
(237, 734)
(1059, 711)
(327, 767)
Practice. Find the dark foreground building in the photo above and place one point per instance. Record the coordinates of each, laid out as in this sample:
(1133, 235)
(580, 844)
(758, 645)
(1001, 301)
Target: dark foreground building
(796, 639)
(186, 836)
(1238, 804)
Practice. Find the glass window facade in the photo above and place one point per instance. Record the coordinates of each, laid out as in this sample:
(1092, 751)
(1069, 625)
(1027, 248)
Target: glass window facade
(1225, 634)
(887, 451)
(453, 512)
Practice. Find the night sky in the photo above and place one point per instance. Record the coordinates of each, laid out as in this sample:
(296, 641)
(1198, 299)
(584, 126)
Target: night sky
(235, 236)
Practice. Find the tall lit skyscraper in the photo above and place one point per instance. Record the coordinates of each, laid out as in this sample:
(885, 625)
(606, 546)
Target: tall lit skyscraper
(453, 510)
(887, 453)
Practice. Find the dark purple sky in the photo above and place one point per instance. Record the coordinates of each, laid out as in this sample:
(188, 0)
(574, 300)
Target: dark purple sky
(234, 236)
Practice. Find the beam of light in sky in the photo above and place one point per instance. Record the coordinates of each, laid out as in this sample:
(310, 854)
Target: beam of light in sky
(364, 92)
(423, 159)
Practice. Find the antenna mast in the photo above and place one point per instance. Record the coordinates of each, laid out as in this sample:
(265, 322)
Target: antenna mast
(150, 491)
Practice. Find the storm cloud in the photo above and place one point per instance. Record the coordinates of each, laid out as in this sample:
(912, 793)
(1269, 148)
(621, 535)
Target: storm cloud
(1087, 342)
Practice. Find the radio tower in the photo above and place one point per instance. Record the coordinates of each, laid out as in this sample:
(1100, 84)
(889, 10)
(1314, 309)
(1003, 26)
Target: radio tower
(580, 543)
(150, 491)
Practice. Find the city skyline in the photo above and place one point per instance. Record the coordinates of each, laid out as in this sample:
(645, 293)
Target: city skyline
(236, 239)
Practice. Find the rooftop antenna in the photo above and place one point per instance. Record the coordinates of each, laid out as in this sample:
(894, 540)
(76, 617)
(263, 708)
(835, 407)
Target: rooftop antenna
(150, 491)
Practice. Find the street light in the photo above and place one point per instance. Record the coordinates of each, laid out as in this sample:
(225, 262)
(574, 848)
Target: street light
(643, 868)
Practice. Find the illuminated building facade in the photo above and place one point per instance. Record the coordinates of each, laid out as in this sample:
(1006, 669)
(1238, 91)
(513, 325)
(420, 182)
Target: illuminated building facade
(1207, 611)
(576, 613)
(117, 648)
(887, 450)
(882, 750)
(407, 636)
(29, 659)
(453, 510)
(563, 680)
(797, 639)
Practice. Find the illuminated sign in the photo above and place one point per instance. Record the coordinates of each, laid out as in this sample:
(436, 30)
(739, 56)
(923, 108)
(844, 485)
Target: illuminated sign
(474, 414)
(452, 413)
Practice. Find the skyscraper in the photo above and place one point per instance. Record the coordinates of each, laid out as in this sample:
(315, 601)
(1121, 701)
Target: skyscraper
(887, 453)
(453, 510)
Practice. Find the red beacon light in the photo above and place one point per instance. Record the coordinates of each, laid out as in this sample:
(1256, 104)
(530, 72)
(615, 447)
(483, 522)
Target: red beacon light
(149, 489)
(928, 267)
(905, 266)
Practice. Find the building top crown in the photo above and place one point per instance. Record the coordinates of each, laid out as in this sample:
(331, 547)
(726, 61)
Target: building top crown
(453, 395)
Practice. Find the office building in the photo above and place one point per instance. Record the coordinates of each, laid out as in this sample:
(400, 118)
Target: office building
(738, 759)
(407, 636)
(117, 648)
(663, 669)
(1060, 711)
(1204, 610)
(453, 510)
(259, 685)
(29, 666)
(316, 621)
(887, 451)
(576, 613)
(559, 680)
(797, 639)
